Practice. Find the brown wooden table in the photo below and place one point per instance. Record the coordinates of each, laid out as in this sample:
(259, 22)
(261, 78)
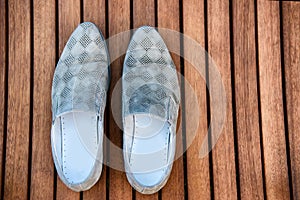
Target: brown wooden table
(256, 45)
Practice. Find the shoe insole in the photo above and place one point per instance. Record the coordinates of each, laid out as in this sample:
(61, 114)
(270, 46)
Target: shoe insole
(150, 146)
(79, 145)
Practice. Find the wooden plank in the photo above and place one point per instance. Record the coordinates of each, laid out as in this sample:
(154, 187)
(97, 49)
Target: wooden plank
(246, 98)
(16, 176)
(42, 172)
(119, 20)
(69, 18)
(272, 116)
(224, 172)
(291, 31)
(197, 169)
(144, 14)
(94, 11)
(3, 42)
(168, 17)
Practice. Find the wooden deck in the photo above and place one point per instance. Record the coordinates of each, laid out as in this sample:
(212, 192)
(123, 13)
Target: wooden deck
(256, 45)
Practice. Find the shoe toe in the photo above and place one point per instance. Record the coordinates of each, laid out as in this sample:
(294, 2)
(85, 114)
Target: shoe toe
(150, 179)
(85, 45)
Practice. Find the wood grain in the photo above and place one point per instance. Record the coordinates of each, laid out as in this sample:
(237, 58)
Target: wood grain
(274, 144)
(246, 99)
(119, 20)
(69, 19)
(291, 41)
(18, 119)
(168, 17)
(42, 181)
(3, 53)
(197, 169)
(224, 172)
(94, 11)
(144, 14)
